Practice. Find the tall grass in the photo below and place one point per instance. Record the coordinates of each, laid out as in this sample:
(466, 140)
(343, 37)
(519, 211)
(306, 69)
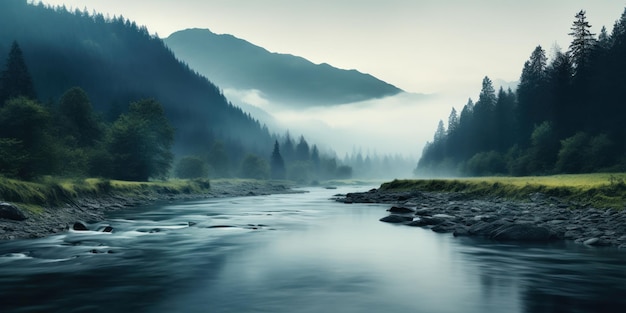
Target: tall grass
(51, 191)
(602, 190)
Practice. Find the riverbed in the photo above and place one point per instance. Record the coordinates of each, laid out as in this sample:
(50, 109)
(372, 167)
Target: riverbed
(297, 253)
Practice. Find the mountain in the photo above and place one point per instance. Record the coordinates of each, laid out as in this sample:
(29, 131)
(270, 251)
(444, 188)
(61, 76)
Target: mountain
(235, 63)
(117, 62)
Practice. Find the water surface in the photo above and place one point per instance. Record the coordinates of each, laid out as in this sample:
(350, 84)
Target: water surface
(297, 253)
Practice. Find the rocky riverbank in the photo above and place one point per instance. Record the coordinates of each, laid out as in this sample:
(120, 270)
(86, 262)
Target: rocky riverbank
(540, 218)
(22, 224)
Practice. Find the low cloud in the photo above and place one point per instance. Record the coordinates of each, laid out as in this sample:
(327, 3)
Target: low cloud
(400, 124)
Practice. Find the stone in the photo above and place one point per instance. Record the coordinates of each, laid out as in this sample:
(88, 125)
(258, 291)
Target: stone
(445, 227)
(592, 241)
(396, 219)
(80, 226)
(523, 232)
(400, 210)
(11, 212)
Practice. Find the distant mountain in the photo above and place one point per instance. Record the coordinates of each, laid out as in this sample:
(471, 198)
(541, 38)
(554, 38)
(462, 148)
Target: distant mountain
(231, 62)
(117, 62)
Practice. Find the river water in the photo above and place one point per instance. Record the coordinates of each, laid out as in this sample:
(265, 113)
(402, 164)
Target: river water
(297, 253)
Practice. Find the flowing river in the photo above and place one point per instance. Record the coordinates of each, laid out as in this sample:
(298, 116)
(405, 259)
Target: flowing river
(297, 253)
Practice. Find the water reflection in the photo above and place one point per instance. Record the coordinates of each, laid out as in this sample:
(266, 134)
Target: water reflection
(560, 277)
(297, 253)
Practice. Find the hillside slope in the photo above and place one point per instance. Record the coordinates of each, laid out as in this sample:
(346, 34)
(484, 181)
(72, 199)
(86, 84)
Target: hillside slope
(235, 63)
(117, 62)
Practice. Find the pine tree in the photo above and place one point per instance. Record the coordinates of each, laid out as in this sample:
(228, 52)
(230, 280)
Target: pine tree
(15, 80)
(277, 164)
(302, 150)
(533, 105)
(582, 43)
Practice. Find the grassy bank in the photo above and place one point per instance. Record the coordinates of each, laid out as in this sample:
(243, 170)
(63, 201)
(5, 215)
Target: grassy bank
(50, 192)
(603, 190)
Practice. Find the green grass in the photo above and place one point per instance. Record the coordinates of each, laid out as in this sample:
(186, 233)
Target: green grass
(602, 190)
(50, 191)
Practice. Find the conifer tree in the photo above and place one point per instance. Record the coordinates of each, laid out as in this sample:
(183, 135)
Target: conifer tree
(277, 164)
(15, 80)
(583, 41)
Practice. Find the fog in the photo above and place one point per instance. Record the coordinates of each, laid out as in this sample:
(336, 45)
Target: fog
(399, 124)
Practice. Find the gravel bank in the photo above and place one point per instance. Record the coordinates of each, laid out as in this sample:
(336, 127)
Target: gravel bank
(540, 218)
(60, 219)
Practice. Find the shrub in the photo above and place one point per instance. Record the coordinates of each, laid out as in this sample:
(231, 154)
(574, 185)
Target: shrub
(192, 167)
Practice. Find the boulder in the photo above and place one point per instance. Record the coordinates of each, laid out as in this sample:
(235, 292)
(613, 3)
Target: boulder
(80, 226)
(486, 229)
(445, 227)
(523, 232)
(11, 212)
(396, 219)
(400, 210)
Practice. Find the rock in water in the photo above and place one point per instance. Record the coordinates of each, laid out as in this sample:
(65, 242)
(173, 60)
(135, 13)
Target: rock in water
(11, 212)
(523, 232)
(80, 226)
(400, 210)
(396, 219)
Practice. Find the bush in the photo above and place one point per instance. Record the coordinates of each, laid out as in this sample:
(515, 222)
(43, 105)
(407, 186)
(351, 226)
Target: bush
(255, 167)
(486, 163)
(574, 154)
(192, 167)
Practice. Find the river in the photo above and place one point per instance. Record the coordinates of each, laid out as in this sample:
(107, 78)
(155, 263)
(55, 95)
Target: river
(297, 253)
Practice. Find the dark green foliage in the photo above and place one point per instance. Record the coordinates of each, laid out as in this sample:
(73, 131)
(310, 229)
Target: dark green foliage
(140, 143)
(255, 167)
(30, 150)
(78, 123)
(219, 161)
(15, 80)
(344, 172)
(574, 154)
(583, 41)
(117, 62)
(565, 117)
(277, 164)
(192, 167)
(302, 150)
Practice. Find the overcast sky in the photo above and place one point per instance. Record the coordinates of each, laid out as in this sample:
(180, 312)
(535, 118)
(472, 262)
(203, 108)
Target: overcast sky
(418, 45)
(442, 47)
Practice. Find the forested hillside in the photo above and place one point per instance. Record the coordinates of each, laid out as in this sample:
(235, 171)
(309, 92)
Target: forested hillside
(82, 94)
(117, 62)
(235, 63)
(566, 116)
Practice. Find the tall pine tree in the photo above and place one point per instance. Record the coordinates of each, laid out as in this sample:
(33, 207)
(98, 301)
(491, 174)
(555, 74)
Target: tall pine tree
(15, 80)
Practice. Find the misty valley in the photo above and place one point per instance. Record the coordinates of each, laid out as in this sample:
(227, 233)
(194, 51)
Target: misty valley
(199, 172)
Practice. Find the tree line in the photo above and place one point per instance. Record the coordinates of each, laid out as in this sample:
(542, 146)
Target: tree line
(566, 115)
(68, 138)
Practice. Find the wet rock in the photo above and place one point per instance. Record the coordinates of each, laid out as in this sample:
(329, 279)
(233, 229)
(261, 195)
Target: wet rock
(396, 219)
(592, 242)
(485, 229)
(523, 232)
(80, 226)
(107, 229)
(400, 210)
(445, 227)
(11, 212)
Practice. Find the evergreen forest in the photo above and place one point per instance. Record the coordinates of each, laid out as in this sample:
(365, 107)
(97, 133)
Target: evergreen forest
(87, 95)
(566, 116)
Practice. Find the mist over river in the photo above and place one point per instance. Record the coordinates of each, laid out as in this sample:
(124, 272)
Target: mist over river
(297, 253)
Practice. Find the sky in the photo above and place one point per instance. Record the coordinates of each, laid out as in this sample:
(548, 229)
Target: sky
(442, 47)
